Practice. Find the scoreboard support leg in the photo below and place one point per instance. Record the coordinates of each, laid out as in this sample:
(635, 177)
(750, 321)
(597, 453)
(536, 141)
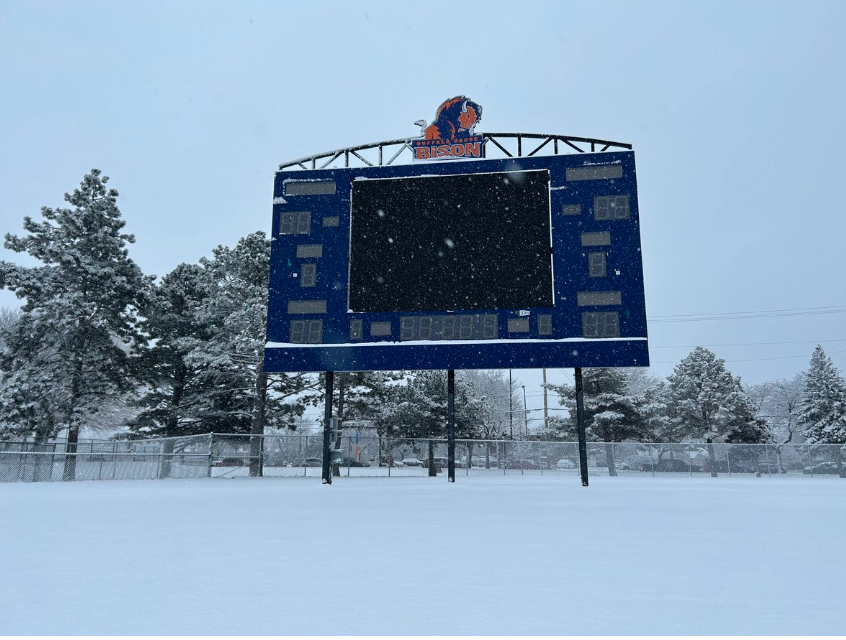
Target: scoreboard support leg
(327, 418)
(451, 425)
(580, 425)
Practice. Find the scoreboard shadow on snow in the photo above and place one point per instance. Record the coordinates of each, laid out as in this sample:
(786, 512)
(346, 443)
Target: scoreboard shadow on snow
(525, 262)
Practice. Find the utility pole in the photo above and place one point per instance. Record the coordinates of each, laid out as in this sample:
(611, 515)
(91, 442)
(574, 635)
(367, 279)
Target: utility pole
(525, 415)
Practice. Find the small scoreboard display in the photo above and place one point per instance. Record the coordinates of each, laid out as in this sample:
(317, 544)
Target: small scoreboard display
(476, 264)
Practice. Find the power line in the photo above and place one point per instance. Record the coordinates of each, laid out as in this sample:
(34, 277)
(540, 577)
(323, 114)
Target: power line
(746, 344)
(746, 315)
(804, 355)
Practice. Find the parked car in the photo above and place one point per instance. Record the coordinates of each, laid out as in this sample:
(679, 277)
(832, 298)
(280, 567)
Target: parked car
(308, 462)
(522, 464)
(634, 463)
(230, 462)
(476, 461)
(821, 468)
(411, 462)
(753, 466)
(565, 463)
(668, 464)
(440, 463)
(352, 462)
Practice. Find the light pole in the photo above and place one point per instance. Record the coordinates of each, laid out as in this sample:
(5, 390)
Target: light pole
(525, 415)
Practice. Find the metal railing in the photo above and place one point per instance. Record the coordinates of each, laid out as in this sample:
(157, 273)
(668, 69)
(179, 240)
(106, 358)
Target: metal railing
(228, 456)
(502, 145)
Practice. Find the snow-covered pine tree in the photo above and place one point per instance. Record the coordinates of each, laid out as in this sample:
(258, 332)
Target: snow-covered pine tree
(240, 396)
(613, 413)
(80, 305)
(418, 408)
(172, 385)
(650, 393)
(28, 403)
(823, 412)
(746, 425)
(706, 403)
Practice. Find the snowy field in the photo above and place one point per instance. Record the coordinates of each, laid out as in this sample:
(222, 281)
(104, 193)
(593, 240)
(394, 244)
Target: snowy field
(489, 555)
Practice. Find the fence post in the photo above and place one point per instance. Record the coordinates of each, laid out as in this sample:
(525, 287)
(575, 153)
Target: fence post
(21, 454)
(211, 449)
(538, 457)
(614, 458)
(52, 460)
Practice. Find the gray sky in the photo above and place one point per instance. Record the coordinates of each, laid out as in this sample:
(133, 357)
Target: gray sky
(735, 110)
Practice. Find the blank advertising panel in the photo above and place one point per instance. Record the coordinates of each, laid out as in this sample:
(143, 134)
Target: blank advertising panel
(524, 262)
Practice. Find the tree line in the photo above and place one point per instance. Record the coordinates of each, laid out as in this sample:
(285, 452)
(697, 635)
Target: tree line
(97, 342)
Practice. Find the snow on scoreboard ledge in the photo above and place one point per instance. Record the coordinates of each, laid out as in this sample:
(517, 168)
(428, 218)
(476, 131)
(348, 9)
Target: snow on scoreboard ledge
(477, 264)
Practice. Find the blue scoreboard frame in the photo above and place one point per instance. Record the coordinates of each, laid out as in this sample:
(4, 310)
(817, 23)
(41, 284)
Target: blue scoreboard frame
(595, 315)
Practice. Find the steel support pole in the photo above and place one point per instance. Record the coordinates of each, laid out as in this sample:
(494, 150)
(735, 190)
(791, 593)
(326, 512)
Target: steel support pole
(451, 425)
(510, 407)
(580, 424)
(327, 417)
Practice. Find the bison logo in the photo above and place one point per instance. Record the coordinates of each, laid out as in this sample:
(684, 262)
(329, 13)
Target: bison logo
(454, 118)
(451, 134)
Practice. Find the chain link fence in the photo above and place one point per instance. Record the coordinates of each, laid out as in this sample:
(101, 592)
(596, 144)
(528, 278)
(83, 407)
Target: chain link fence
(361, 454)
(105, 460)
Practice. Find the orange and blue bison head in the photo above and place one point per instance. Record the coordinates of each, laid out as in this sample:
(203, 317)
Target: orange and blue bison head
(454, 118)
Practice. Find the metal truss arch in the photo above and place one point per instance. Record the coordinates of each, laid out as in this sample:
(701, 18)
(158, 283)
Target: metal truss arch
(498, 145)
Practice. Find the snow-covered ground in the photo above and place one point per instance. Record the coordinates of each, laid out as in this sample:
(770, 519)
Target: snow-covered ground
(485, 555)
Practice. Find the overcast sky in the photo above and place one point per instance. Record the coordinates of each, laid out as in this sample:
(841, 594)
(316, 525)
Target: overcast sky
(735, 111)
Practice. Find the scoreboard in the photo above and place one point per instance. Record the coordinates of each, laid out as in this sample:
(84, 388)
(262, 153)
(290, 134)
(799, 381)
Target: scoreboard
(523, 262)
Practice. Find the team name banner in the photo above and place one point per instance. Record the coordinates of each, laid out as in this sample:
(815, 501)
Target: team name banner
(470, 147)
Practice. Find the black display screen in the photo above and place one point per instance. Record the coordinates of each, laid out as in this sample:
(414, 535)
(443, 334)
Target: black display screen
(446, 243)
